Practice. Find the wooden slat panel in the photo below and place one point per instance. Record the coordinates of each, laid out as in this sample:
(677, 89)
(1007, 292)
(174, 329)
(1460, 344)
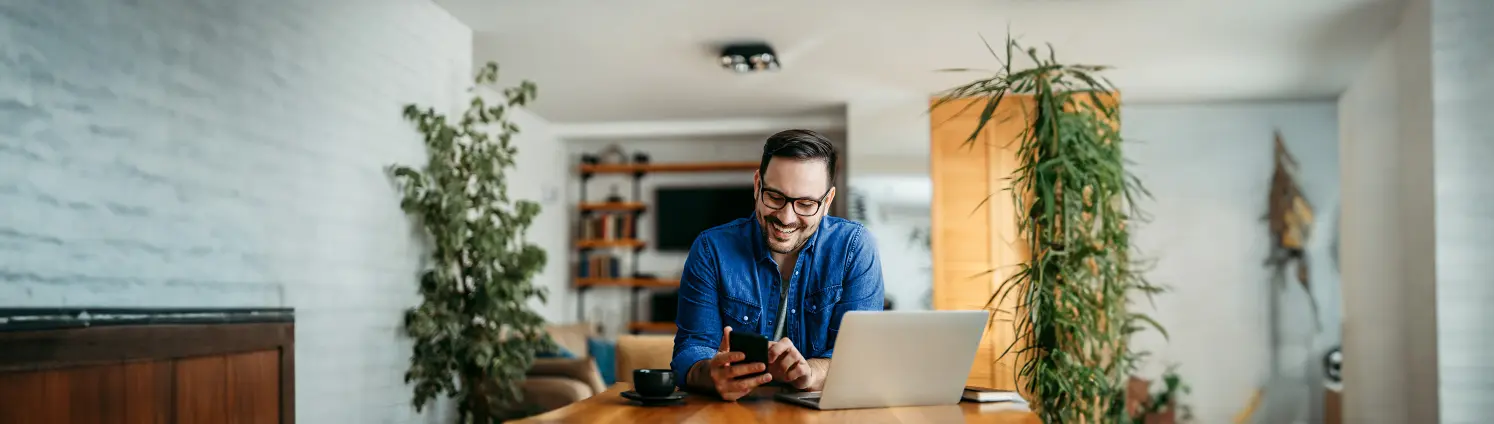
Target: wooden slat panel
(95, 394)
(56, 392)
(25, 398)
(961, 244)
(976, 242)
(288, 383)
(959, 233)
(123, 393)
(147, 387)
(201, 390)
(253, 383)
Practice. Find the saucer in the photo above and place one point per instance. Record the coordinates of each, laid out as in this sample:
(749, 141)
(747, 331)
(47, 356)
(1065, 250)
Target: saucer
(669, 399)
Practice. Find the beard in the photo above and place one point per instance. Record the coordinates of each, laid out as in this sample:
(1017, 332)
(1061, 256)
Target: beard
(784, 239)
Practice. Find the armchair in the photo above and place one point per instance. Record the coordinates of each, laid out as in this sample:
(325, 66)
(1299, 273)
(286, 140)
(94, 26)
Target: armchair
(555, 382)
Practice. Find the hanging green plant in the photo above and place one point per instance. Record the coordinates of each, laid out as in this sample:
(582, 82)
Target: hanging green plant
(474, 332)
(1075, 198)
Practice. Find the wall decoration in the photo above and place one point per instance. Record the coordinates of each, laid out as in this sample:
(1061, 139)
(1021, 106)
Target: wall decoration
(1291, 218)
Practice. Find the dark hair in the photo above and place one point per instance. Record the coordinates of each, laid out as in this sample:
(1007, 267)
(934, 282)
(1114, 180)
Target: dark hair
(801, 145)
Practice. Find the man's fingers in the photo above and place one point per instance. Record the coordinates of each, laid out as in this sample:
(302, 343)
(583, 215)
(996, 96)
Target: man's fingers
(796, 371)
(747, 384)
(743, 369)
(725, 339)
(786, 351)
(776, 349)
(783, 368)
(786, 362)
(724, 358)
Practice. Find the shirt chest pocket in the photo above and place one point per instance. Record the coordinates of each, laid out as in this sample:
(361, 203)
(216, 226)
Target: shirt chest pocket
(741, 314)
(820, 321)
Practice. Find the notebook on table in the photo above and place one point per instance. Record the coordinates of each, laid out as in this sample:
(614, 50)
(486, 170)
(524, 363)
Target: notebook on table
(982, 394)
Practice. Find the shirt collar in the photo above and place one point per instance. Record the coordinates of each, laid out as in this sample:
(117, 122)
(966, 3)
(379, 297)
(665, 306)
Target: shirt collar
(759, 244)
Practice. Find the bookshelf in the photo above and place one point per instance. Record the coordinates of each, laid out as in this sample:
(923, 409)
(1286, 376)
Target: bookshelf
(599, 244)
(612, 206)
(607, 231)
(651, 327)
(645, 168)
(627, 282)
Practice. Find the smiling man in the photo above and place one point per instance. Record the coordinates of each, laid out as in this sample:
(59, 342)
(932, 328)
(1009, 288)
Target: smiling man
(788, 272)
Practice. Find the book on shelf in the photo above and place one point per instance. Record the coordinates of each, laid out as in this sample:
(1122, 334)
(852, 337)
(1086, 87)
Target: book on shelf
(607, 227)
(599, 265)
(982, 394)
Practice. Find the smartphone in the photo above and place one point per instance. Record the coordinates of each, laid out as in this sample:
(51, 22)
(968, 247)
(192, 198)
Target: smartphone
(753, 345)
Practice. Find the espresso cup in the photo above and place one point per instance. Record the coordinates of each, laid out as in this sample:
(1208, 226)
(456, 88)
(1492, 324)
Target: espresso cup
(653, 382)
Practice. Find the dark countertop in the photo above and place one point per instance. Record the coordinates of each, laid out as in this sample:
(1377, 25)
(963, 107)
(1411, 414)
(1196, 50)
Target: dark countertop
(34, 319)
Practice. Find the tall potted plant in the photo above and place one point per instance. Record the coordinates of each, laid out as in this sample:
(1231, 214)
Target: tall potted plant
(1074, 198)
(475, 334)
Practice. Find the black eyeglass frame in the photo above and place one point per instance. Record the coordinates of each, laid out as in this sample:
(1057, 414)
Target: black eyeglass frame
(818, 203)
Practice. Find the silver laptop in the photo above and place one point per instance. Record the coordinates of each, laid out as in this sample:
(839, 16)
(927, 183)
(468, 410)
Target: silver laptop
(886, 358)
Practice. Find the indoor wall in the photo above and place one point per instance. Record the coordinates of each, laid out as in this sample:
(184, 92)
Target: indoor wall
(182, 153)
(1462, 66)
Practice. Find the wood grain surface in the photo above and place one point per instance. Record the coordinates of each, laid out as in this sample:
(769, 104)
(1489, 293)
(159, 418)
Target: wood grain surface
(759, 407)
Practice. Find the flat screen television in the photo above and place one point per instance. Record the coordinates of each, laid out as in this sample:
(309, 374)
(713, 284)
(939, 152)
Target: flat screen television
(681, 213)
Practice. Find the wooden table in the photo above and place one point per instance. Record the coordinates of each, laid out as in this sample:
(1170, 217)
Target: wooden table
(759, 407)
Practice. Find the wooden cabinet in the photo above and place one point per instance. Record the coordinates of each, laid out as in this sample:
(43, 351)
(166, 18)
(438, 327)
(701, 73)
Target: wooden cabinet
(158, 374)
(237, 388)
(976, 245)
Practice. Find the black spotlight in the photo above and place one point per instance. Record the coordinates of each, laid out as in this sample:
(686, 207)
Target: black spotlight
(750, 57)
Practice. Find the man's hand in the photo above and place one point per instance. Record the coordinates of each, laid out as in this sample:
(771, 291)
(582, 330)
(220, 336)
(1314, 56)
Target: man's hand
(726, 378)
(786, 364)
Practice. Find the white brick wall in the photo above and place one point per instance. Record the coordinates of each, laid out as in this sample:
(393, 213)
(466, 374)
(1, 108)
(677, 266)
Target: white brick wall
(1463, 63)
(226, 153)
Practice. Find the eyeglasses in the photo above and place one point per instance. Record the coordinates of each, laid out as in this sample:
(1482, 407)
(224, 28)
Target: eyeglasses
(804, 206)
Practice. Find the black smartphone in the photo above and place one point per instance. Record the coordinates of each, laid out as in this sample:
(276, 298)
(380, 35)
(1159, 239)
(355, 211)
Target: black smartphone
(753, 345)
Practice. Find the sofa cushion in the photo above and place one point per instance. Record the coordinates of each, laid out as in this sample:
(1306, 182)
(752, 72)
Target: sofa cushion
(561, 353)
(583, 370)
(604, 352)
(572, 337)
(643, 351)
(548, 393)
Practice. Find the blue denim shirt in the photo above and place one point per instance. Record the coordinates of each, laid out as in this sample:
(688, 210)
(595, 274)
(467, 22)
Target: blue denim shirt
(730, 279)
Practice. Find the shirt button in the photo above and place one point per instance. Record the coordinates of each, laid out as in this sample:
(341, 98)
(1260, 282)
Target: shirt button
(793, 311)
(744, 317)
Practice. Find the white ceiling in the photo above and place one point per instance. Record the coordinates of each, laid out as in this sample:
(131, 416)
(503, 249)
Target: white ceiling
(608, 60)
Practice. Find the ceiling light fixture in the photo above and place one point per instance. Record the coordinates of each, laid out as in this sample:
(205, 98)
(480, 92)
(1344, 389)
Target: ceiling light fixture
(749, 57)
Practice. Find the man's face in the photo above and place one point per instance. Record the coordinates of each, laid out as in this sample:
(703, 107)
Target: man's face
(792, 197)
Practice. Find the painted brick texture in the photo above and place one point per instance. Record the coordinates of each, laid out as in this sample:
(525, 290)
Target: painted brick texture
(226, 153)
(1463, 63)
